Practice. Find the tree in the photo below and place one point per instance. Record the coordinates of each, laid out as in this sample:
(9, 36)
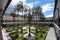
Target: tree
(19, 8)
(41, 18)
(29, 18)
(13, 15)
(25, 16)
(37, 11)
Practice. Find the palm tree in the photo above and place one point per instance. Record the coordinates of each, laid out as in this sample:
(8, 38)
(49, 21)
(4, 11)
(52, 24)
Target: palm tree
(41, 20)
(19, 8)
(13, 15)
(41, 17)
(29, 18)
(37, 11)
(25, 16)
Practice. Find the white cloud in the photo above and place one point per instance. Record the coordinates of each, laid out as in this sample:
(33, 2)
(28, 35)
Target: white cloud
(47, 7)
(14, 2)
(31, 4)
(51, 15)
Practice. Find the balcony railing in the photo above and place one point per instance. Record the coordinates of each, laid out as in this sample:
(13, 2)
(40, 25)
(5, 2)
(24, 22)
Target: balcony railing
(57, 31)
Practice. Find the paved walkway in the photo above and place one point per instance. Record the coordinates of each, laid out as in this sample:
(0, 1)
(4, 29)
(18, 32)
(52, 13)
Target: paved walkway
(29, 38)
(51, 34)
(26, 35)
(5, 35)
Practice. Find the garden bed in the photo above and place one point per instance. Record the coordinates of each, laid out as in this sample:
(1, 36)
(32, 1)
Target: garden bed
(9, 29)
(42, 34)
(15, 36)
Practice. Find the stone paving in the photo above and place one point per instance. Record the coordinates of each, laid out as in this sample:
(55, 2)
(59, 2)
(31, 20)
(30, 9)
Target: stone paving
(32, 35)
(51, 34)
(5, 35)
(29, 38)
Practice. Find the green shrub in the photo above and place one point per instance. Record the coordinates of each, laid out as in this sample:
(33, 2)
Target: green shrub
(9, 29)
(14, 35)
(41, 35)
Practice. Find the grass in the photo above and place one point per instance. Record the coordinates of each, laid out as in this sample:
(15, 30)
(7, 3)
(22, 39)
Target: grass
(9, 29)
(14, 35)
(12, 28)
(25, 31)
(42, 35)
(33, 31)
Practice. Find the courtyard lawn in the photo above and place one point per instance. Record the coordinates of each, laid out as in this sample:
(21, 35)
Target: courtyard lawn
(33, 31)
(9, 28)
(41, 35)
(16, 35)
(24, 31)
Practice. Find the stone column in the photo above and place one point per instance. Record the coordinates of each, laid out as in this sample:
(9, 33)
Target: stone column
(59, 34)
(1, 38)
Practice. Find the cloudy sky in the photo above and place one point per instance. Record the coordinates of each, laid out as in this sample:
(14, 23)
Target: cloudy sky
(46, 5)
